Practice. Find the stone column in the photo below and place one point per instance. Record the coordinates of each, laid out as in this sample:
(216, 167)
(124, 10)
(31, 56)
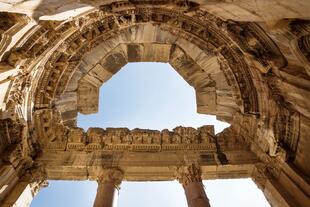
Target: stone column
(108, 181)
(190, 178)
(283, 186)
(19, 189)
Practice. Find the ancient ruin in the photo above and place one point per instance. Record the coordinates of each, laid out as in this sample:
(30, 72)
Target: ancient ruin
(249, 62)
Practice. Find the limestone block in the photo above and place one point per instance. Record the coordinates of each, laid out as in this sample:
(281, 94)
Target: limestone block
(148, 52)
(74, 80)
(114, 61)
(145, 33)
(134, 52)
(184, 65)
(221, 82)
(206, 101)
(99, 52)
(208, 63)
(88, 98)
(189, 48)
(67, 102)
(164, 36)
(156, 53)
(225, 113)
(100, 73)
(225, 100)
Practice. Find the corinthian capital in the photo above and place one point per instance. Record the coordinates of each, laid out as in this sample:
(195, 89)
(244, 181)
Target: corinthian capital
(111, 175)
(188, 174)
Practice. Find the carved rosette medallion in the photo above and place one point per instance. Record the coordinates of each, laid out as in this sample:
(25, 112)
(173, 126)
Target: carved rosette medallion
(189, 174)
(111, 175)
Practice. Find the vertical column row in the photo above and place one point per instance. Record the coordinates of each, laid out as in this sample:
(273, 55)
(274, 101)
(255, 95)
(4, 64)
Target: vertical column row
(189, 176)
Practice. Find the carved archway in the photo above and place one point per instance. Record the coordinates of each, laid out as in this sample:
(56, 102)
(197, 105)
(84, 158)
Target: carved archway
(236, 68)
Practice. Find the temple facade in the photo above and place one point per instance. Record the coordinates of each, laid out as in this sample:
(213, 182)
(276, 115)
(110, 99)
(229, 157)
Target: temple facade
(248, 61)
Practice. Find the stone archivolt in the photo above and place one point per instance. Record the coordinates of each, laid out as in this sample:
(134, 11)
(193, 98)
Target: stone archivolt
(249, 67)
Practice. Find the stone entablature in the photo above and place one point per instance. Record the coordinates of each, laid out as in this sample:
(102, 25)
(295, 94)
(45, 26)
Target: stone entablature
(137, 140)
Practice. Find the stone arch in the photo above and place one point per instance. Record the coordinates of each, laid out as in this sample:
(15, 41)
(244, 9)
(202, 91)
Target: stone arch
(56, 53)
(63, 61)
(99, 71)
(43, 66)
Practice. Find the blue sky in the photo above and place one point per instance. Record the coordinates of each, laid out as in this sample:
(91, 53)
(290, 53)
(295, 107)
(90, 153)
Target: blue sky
(153, 96)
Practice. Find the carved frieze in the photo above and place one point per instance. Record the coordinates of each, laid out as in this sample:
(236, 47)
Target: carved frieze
(123, 139)
(254, 41)
(54, 135)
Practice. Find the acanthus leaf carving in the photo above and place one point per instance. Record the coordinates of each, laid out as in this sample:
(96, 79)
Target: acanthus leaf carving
(188, 174)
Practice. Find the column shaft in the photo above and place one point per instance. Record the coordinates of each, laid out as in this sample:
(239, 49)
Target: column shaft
(108, 181)
(190, 178)
(196, 195)
(105, 195)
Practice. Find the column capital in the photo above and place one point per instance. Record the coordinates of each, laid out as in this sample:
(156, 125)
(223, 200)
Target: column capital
(35, 173)
(37, 186)
(111, 175)
(189, 174)
(263, 172)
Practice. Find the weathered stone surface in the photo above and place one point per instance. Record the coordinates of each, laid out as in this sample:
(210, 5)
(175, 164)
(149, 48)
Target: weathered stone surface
(248, 62)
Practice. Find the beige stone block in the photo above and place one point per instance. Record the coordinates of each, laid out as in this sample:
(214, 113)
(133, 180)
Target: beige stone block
(115, 60)
(67, 102)
(143, 34)
(189, 48)
(99, 52)
(100, 73)
(156, 53)
(88, 98)
(164, 36)
(206, 101)
(134, 52)
(74, 80)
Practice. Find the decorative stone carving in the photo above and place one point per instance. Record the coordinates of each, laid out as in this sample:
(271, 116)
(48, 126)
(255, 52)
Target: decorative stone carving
(187, 135)
(36, 173)
(37, 186)
(206, 133)
(189, 174)
(53, 129)
(95, 135)
(76, 48)
(252, 75)
(135, 140)
(265, 171)
(111, 175)
(77, 135)
(254, 41)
